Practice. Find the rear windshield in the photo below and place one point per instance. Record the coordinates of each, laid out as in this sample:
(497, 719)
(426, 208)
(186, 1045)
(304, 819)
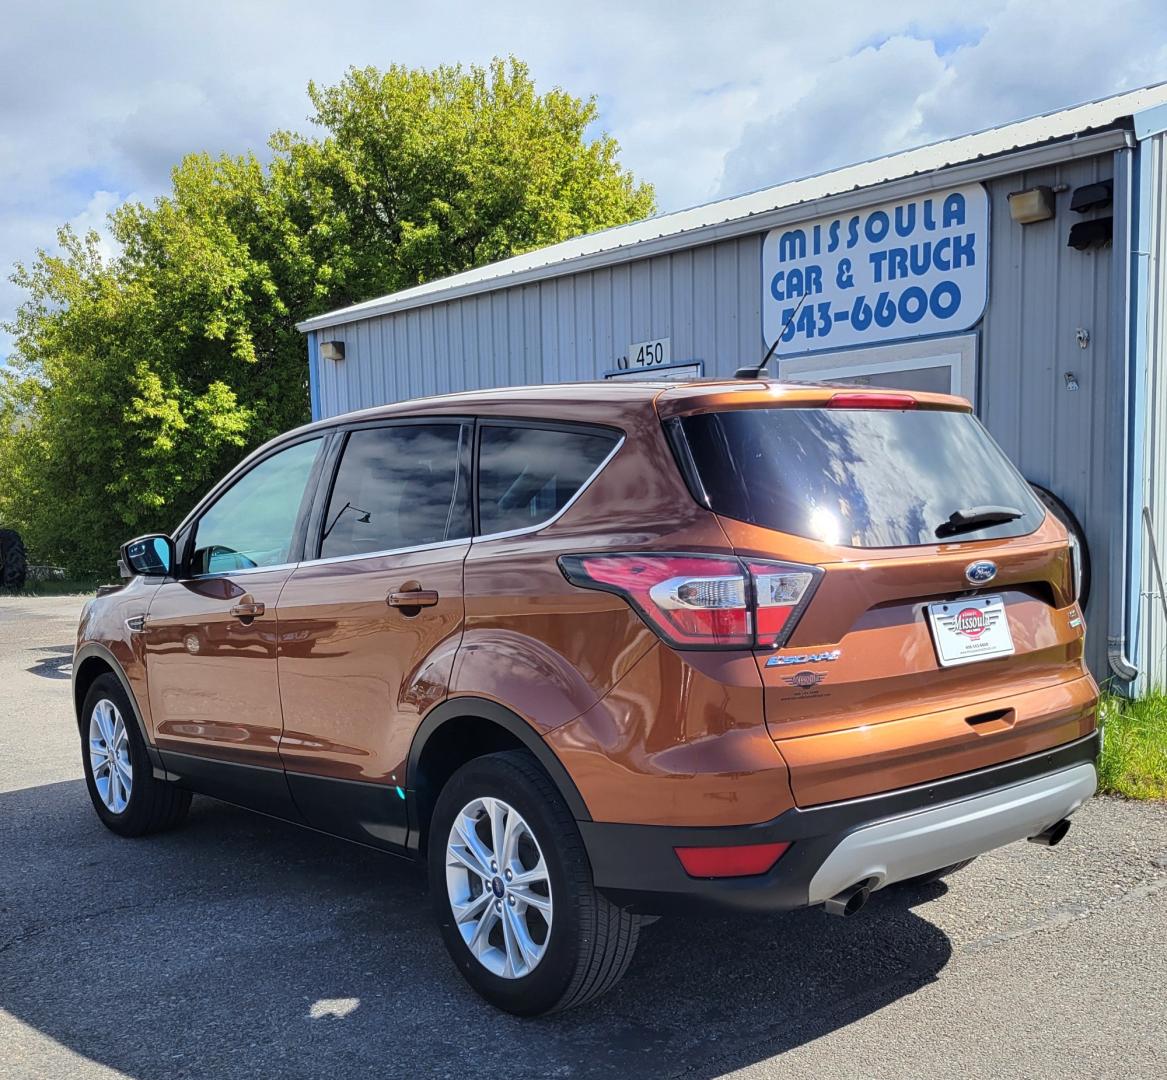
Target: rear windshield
(859, 477)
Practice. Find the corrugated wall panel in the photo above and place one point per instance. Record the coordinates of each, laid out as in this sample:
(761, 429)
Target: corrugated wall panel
(622, 333)
(707, 300)
(640, 284)
(1041, 291)
(1152, 619)
(751, 344)
(705, 343)
(585, 327)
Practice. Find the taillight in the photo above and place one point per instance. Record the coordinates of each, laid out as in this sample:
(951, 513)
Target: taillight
(1075, 567)
(871, 401)
(703, 601)
(782, 591)
(692, 601)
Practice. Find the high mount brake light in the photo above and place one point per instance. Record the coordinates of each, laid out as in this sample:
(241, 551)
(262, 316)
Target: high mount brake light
(703, 601)
(871, 401)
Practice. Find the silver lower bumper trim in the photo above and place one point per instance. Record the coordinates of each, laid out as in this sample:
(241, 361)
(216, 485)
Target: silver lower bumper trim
(926, 840)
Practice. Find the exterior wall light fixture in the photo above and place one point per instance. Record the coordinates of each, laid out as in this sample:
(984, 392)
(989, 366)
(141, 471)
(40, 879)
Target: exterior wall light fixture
(1034, 204)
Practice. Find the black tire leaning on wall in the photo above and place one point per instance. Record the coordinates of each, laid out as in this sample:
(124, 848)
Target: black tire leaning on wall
(13, 560)
(1074, 527)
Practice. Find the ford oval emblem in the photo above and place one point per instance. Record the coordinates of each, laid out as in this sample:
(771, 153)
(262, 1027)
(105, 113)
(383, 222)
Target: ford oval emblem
(981, 572)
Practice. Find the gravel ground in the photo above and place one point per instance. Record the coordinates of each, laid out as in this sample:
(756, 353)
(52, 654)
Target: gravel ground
(242, 947)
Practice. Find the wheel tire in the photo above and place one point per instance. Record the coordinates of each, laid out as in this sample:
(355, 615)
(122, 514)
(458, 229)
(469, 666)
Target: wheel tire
(936, 875)
(590, 942)
(13, 560)
(153, 805)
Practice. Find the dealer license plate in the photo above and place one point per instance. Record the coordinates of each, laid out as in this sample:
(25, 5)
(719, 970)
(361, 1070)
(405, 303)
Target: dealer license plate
(966, 631)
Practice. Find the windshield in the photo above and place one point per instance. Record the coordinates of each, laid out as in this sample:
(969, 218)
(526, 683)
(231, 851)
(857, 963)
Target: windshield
(861, 477)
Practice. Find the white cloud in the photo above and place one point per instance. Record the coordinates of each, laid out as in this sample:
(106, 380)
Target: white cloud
(922, 84)
(832, 124)
(100, 101)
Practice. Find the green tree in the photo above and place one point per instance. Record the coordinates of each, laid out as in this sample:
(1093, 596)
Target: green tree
(139, 378)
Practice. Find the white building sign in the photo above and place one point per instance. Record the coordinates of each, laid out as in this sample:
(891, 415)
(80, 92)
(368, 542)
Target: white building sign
(903, 270)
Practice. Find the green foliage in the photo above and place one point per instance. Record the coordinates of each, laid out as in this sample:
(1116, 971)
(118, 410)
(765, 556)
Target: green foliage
(1134, 753)
(139, 378)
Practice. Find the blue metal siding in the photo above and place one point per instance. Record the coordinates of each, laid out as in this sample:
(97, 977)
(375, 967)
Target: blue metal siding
(1041, 291)
(1148, 511)
(562, 329)
(313, 376)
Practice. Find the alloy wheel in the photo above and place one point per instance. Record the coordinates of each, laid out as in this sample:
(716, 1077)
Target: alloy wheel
(499, 887)
(109, 756)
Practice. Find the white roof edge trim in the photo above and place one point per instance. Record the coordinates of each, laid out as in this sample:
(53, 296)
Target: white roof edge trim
(1060, 125)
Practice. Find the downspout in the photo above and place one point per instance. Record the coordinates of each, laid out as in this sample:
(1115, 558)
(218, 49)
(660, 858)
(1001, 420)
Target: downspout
(1126, 327)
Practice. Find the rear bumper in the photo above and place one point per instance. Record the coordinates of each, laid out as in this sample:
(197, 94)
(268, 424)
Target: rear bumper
(881, 838)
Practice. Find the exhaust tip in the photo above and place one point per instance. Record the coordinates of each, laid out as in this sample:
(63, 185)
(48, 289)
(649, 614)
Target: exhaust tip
(848, 901)
(1052, 836)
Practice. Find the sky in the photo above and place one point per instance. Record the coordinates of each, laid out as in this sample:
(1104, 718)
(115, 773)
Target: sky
(99, 101)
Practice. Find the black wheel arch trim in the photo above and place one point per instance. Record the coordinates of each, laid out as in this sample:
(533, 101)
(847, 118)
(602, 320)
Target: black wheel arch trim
(457, 708)
(1060, 509)
(99, 652)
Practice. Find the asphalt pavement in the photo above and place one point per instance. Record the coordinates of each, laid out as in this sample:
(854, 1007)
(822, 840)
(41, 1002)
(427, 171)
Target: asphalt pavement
(239, 946)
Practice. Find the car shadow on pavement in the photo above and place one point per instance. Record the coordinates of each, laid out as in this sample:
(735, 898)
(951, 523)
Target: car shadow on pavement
(56, 662)
(241, 946)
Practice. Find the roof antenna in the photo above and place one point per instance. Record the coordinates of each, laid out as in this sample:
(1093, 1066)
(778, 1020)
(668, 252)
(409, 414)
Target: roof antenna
(755, 372)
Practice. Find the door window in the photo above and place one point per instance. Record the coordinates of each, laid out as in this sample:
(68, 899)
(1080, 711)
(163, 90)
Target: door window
(252, 523)
(401, 486)
(527, 474)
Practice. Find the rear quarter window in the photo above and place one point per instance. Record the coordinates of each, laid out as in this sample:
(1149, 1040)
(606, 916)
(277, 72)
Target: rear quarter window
(526, 475)
(857, 477)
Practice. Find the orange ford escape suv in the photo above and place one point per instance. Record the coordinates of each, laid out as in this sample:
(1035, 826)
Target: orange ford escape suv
(605, 651)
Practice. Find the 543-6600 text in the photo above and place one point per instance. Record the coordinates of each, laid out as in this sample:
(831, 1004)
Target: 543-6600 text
(910, 306)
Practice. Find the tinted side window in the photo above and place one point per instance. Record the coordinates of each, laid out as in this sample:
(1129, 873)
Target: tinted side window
(399, 487)
(526, 475)
(251, 523)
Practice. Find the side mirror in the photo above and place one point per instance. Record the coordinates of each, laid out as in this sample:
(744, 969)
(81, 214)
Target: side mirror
(150, 556)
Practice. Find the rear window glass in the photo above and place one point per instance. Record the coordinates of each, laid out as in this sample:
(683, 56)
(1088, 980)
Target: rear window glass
(858, 477)
(527, 475)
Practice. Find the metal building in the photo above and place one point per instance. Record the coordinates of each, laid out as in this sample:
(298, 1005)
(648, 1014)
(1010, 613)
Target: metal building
(1020, 266)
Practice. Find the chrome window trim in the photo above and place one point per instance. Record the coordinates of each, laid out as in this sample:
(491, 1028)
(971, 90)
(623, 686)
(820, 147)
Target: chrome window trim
(390, 551)
(564, 508)
(241, 573)
(468, 540)
(337, 559)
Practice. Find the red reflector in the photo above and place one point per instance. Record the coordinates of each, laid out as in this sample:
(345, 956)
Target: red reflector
(871, 401)
(741, 861)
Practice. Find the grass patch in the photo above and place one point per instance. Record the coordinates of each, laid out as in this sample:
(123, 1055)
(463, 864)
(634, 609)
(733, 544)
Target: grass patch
(1134, 753)
(62, 587)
